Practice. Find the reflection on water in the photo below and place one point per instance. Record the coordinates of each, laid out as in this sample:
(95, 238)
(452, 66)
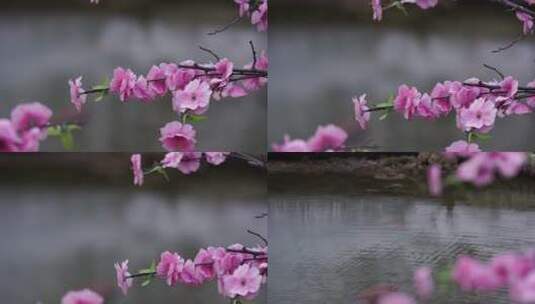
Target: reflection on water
(328, 246)
(41, 51)
(317, 68)
(60, 238)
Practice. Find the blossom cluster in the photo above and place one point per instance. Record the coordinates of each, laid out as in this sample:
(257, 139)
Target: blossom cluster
(256, 10)
(514, 271)
(238, 270)
(191, 85)
(523, 14)
(327, 138)
(478, 168)
(185, 162)
(25, 129)
(476, 104)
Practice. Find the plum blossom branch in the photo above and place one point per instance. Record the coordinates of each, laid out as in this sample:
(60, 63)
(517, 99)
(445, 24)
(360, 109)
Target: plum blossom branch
(475, 103)
(475, 167)
(256, 10)
(186, 163)
(29, 125)
(240, 271)
(191, 85)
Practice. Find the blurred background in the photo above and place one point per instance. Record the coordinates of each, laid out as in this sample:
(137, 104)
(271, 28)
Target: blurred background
(46, 43)
(325, 52)
(340, 225)
(67, 218)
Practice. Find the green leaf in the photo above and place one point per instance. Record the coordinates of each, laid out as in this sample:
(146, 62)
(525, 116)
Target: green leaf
(385, 115)
(195, 118)
(101, 96)
(54, 131)
(482, 136)
(162, 171)
(146, 283)
(402, 8)
(67, 140)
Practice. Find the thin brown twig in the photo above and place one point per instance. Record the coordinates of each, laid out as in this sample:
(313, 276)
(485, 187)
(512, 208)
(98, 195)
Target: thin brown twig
(226, 27)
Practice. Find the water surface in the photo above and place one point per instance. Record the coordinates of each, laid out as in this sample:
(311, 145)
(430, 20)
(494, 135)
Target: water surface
(332, 241)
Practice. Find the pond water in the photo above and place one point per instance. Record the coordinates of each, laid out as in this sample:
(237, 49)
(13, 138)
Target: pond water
(318, 66)
(57, 237)
(41, 50)
(332, 242)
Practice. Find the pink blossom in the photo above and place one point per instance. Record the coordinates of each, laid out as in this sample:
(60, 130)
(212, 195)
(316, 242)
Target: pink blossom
(178, 78)
(172, 159)
(508, 164)
(423, 282)
(527, 21)
(224, 68)
(462, 148)
(216, 158)
(361, 111)
(205, 263)
(434, 180)
(326, 138)
(229, 90)
(191, 162)
(244, 281)
(260, 17)
(123, 83)
(84, 296)
(262, 64)
(187, 163)
(426, 4)
(481, 113)
(523, 291)
(377, 10)
(509, 87)
(441, 95)
(29, 115)
(407, 101)
(476, 170)
(30, 140)
(464, 97)
(396, 298)
(289, 145)
(472, 275)
(170, 267)
(142, 90)
(157, 78)
(227, 263)
(9, 138)
(511, 267)
(136, 169)
(77, 96)
(176, 136)
(243, 7)
(427, 108)
(122, 276)
(190, 275)
(195, 97)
